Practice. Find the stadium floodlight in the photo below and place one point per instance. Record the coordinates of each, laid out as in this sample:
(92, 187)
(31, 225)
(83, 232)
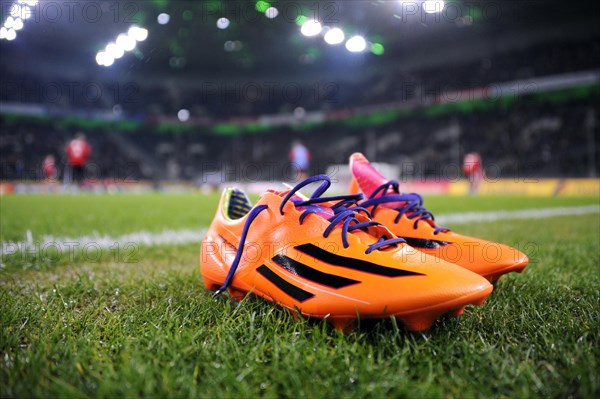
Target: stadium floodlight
(19, 11)
(11, 34)
(114, 50)
(15, 10)
(271, 12)
(104, 59)
(223, 23)
(334, 36)
(137, 33)
(312, 27)
(163, 18)
(18, 24)
(108, 61)
(433, 6)
(126, 42)
(101, 57)
(356, 44)
(183, 115)
(9, 22)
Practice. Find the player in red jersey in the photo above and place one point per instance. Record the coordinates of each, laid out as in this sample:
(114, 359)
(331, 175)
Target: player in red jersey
(78, 152)
(473, 169)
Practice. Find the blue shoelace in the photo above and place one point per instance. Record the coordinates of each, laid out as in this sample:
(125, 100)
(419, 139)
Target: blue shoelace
(344, 211)
(413, 209)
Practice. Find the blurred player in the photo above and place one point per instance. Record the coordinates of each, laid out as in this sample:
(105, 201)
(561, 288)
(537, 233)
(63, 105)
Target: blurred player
(50, 173)
(78, 152)
(300, 158)
(473, 169)
(49, 168)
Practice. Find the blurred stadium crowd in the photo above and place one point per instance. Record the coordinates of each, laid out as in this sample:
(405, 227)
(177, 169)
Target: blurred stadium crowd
(519, 140)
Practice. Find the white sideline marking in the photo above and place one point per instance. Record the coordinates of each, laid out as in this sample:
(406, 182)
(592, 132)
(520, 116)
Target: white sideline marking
(172, 237)
(97, 241)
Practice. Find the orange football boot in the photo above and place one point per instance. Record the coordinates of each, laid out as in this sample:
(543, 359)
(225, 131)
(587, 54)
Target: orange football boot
(325, 258)
(405, 216)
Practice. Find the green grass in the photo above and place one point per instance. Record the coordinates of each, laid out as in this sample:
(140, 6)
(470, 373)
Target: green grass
(72, 216)
(148, 328)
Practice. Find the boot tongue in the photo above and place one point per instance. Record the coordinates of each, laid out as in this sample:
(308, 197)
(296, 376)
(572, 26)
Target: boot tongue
(369, 179)
(324, 212)
(320, 209)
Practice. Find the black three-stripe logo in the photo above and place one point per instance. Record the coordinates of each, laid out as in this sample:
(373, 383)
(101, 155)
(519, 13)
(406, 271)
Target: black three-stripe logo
(317, 276)
(300, 269)
(295, 292)
(353, 263)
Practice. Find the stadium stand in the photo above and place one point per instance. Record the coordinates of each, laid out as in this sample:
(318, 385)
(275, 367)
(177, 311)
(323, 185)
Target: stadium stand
(527, 136)
(535, 134)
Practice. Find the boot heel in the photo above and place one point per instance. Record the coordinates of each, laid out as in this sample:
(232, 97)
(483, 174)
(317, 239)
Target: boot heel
(210, 284)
